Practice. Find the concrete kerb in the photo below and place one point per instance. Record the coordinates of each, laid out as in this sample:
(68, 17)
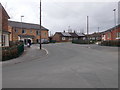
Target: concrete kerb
(46, 51)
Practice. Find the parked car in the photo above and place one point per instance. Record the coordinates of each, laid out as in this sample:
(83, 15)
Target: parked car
(44, 41)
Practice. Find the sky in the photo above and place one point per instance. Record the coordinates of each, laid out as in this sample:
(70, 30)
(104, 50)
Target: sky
(60, 15)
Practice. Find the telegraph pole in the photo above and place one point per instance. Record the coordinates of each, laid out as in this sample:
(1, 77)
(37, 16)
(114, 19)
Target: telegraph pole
(88, 29)
(40, 27)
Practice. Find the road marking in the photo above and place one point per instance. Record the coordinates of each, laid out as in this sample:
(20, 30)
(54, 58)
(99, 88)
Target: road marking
(46, 51)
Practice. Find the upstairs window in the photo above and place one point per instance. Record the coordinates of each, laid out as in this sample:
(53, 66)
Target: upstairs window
(45, 34)
(23, 31)
(37, 32)
(31, 31)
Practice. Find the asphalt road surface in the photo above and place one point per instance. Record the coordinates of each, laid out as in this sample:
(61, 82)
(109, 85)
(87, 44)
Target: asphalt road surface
(66, 66)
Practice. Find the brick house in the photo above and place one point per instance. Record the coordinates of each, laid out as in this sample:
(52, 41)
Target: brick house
(112, 34)
(4, 33)
(61, 37)
(28, 31)
(95, 36)
(66, 36)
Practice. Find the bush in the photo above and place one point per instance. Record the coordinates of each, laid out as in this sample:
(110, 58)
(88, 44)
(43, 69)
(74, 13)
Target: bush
(52, 41)
(83, 41)
(12, 52)
(15, 43)
(46, 42)
(111, 43)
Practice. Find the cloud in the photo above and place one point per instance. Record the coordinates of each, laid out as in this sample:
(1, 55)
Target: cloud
(57, 16)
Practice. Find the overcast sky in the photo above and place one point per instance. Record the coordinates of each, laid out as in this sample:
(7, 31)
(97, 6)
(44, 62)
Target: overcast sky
(57, 15)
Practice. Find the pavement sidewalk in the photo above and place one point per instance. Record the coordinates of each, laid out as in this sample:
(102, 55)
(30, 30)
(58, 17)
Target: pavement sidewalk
(29, 54)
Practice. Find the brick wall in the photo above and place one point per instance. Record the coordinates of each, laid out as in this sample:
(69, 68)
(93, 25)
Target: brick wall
(0, 26)
(4, 41)
(57, 37)
(0, 17)
(5, 18)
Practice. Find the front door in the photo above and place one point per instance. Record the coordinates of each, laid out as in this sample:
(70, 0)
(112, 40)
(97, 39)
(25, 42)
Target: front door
(25, 41)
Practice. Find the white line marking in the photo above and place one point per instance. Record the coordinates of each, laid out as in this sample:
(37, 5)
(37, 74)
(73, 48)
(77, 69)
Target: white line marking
(46, 51)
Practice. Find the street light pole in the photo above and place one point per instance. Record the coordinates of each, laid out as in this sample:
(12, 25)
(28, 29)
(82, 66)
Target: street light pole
(114, 10)
(21, 22)
(40, 27)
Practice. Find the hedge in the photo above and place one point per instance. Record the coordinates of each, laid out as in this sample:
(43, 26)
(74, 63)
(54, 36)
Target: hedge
(83, 41)
(12, 52)
(111, 43)
(52, 41)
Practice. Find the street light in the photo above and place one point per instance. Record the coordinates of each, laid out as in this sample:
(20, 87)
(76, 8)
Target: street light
(114, 10)
(21, 21)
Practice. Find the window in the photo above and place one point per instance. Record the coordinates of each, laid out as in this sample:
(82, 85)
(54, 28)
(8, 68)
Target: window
(109, 35)
(93, 38)
(3, 40)
(70, 38)
(23, 31)
(37, 32)
(75, 38)
(30, 31)
(118, 35)
(63, 38)
(45, 33)
(16, 31)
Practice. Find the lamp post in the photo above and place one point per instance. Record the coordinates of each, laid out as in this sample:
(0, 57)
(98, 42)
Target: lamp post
(21, 21)
(114, 11)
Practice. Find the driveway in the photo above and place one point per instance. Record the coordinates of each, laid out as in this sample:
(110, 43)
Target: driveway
(66, 66)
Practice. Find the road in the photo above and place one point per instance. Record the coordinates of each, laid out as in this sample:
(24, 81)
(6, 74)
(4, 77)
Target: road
(66, 66)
